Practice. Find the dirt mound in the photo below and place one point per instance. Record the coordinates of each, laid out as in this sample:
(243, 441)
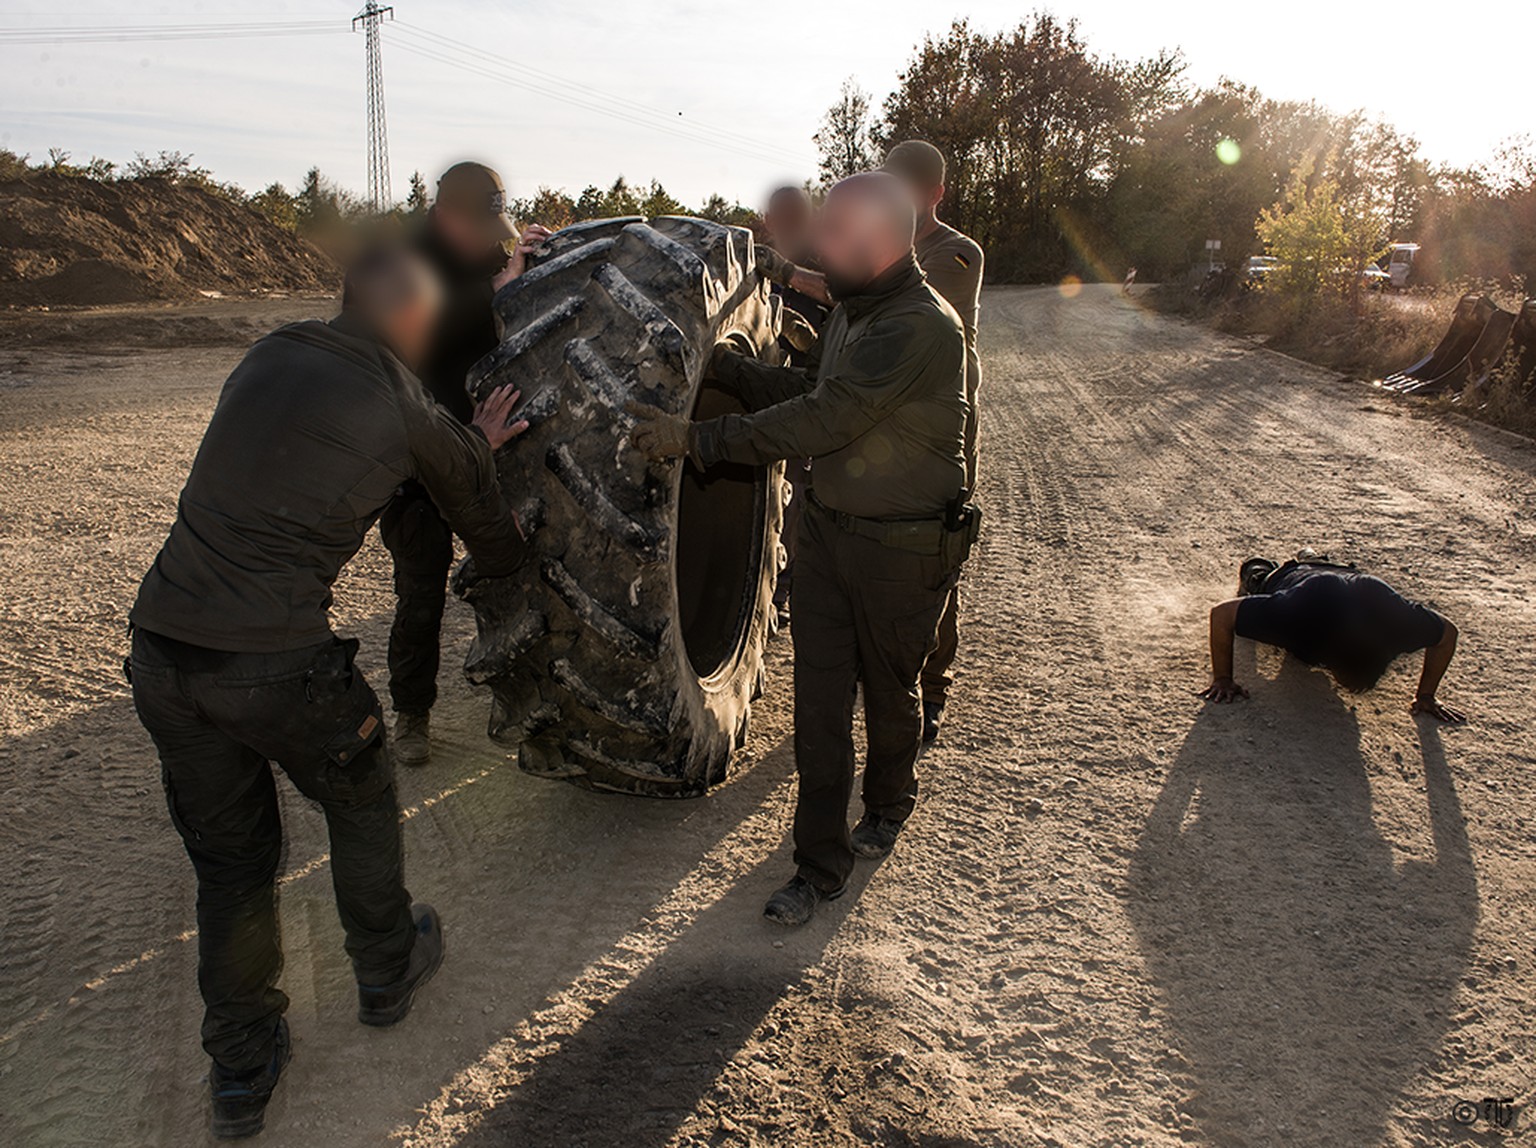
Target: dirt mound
(79, 242)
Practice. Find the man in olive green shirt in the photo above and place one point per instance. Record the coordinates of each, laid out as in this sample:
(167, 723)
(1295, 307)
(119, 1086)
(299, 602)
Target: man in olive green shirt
(881, 412)
(953, 263)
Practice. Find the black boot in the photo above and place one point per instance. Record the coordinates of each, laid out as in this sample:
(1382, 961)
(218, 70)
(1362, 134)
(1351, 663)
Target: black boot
(933, 714)
(383, 1005)
(874, 836)
(796, 902)
(240, 1099)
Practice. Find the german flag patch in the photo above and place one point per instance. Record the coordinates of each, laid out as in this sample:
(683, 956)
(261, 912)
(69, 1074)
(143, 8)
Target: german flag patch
(963, 261)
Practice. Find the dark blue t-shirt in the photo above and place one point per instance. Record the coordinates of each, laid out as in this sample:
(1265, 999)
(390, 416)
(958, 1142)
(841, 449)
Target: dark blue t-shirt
(1336, 617)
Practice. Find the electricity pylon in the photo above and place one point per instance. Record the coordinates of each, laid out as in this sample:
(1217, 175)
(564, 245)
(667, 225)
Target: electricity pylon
(370, 18)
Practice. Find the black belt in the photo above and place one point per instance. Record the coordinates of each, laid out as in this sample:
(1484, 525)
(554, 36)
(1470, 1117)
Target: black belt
(917, 535)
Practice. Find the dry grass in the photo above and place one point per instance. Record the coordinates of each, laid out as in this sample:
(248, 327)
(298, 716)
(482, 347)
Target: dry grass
(1391, 332)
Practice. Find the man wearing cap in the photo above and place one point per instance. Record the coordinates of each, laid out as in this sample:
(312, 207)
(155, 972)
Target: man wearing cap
(882, 414)
(953, 263)
(465, 241)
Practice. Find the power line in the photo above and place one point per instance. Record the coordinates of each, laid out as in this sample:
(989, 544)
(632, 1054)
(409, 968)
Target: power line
(120, 33)
(678, 131)
(428, 45)
(625, 105)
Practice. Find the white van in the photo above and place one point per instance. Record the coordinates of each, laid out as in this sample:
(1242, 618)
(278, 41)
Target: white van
(1400, 264)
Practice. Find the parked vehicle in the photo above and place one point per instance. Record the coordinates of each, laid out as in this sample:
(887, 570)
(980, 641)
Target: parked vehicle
(1373, 278)
(1257, 268)
(1400, 264)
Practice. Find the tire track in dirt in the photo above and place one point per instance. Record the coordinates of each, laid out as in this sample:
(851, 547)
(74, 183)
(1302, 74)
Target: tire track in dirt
(1104, 896)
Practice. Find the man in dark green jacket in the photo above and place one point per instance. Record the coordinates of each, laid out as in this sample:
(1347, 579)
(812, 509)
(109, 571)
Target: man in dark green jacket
(234, 664)
(882, 415)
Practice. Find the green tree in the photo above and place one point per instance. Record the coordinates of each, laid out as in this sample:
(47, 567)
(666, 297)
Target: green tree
(417, 200)
(274, 202)
(1322, 235)
(844, 140)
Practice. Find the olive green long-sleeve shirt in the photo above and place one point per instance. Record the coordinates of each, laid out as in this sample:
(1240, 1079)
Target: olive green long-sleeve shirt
(881, 411)
(953, 263)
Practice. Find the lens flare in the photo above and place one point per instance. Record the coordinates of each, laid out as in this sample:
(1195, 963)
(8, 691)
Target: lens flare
(1070, 287)
(1229, 151)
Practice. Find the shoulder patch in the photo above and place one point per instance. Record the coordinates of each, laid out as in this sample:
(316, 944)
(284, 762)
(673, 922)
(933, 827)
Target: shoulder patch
(963, 261)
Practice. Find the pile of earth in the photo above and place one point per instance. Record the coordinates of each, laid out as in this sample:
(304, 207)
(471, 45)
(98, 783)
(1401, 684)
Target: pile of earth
(72, 241)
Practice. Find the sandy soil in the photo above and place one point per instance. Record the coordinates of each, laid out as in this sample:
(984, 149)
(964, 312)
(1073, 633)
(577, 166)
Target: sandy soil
(1118, 918)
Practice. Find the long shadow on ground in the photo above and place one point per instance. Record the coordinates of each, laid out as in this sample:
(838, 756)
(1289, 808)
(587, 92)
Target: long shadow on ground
(1290, 949)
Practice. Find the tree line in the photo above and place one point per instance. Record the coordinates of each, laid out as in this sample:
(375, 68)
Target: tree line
(1067, 162)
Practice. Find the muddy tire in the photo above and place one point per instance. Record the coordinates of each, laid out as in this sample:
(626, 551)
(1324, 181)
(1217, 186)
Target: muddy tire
(626, 654)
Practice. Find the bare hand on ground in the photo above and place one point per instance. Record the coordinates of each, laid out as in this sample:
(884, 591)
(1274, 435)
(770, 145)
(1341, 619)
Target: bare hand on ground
(1437, 711)
(491, 415)
(1223, 690)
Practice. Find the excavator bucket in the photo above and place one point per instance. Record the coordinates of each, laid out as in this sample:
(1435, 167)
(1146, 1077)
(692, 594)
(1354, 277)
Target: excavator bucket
(1450, 365)
(1522, 344)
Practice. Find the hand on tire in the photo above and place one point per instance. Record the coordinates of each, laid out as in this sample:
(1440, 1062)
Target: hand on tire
(656, 434)
(492, 417)
(774, 267)
(527, 243)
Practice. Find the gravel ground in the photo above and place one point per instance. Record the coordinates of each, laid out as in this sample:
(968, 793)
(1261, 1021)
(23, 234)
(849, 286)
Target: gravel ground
(1118, 918)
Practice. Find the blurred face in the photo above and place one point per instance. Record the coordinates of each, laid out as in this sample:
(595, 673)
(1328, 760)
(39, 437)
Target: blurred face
(789, 219)
(411, 325)
(853, 243)
(925, 200)
(466, 236)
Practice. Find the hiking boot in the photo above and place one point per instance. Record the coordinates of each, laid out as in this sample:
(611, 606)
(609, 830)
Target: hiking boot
(874, 836)
(382, 1005)
(412, 740)
(796, 902)
(933, 714)
(240, 1098)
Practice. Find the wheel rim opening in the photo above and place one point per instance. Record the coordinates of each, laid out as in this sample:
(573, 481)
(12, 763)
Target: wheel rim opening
(719, 543)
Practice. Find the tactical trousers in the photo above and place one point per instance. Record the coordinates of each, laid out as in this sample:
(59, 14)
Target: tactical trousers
(421, 543)
(865, 612)
(218, 720)
(938, 670)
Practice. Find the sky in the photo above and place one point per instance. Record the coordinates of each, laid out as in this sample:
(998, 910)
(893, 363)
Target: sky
(705, 95)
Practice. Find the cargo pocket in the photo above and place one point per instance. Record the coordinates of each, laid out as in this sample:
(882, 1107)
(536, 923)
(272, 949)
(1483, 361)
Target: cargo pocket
(342, 758)
(353, 764)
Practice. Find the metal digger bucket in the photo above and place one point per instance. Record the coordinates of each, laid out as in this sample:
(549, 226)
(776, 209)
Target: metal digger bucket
(1474, 342)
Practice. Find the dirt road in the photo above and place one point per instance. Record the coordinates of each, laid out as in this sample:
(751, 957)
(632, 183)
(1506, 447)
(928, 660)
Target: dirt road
(1118, 918)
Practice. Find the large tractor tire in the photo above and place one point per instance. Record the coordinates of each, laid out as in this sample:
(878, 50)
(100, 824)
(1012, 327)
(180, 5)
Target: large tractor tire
(627, 653)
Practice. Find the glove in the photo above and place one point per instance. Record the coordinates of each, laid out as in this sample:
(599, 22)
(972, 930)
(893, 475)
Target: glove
(774, 267)
(797, 332)
(658, 435)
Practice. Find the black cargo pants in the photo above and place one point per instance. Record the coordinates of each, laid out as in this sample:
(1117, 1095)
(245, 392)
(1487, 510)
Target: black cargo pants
(218, 719)
(863, 611)
(421, 543)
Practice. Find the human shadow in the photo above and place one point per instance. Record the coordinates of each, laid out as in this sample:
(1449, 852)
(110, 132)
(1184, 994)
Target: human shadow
(1306, 976)
(99, 1005)
(635, 1070)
